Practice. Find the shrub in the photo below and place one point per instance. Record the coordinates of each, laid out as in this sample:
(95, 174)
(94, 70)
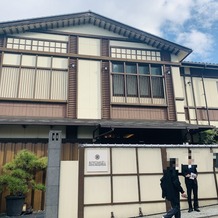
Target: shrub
(18, 176)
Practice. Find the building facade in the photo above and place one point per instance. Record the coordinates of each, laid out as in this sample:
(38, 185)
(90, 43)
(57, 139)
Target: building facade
(100, 81)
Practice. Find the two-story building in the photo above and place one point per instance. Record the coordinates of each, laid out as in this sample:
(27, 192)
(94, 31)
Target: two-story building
(98, 81)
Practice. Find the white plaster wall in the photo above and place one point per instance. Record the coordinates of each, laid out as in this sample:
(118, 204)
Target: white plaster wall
(43, 61)
(147, 158)
(199, 92)
(68, 193)
(11, 59)
(59, 63)
(177, 83)
(89, 90)
(89, 46)
(89, 28)
(174, 58)
(42, 36)
(179, 94)
(28, 60)
(125, 189)
(211, 92)
(147, 184)
(190, 97)
(124, 160)
(180, 106)
(130, 45)
(99, 187)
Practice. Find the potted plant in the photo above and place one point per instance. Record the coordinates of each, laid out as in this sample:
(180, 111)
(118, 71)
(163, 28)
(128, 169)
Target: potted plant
(18, 178)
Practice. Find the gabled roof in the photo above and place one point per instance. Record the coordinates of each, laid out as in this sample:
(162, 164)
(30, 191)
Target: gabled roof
(89, 17)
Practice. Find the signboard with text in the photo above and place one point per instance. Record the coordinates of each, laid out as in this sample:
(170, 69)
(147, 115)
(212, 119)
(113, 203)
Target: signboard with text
(97, 160)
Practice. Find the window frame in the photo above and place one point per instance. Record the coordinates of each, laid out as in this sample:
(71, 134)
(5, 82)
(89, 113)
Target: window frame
(147, 77)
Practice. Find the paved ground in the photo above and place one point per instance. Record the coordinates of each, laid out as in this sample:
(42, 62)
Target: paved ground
(209, 211)
(33, 215)
(206, 212)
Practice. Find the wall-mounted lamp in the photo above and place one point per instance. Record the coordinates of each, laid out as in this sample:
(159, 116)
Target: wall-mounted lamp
(168, 72)
(189, 82)
(73, 65)
(105, 68)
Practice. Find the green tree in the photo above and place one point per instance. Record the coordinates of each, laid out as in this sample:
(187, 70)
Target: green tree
(18, 176)
(209, 136)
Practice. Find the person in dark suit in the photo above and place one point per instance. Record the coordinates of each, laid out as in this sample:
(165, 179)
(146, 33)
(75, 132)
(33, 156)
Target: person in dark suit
(171, 190)
(190, 173)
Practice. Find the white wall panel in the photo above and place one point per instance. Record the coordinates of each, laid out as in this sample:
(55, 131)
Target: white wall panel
(180, 106)
(43, 36)
(11, 59)
(145, 187)
(211, 92)
(44, 62)
(28, 60)
(97, 190)
(125, 188)
(124, 161)
(190, 98)
(88, 46)
(149, 160)
(60, 63)
(89, 90)
(26, 87)
(91, 29)
(42, 84)
(177, 83)
(59, 85)
(9, 82)
(199, 92)
(130, 45)
(68, 193)
(206, 191)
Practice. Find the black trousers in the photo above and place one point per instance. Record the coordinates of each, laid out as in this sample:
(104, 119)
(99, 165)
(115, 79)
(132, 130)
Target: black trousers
(192, 186)
(175, 210)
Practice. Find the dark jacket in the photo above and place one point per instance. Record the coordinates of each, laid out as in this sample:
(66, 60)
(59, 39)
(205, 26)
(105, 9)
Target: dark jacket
(170, 184)
(186, 170)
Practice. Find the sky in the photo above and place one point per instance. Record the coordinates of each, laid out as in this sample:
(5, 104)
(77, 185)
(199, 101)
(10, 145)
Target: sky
(190, 23)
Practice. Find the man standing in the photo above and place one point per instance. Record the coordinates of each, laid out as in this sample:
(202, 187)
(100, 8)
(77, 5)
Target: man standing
(171, 189)
(190, 173)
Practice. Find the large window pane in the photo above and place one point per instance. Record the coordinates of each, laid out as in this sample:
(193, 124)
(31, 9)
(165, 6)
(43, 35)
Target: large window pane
(144, 86)
(131, 68)
(156, 70)
(117, 68)
(131, 86)
(157, 87)
(118, 85)
(143, 69)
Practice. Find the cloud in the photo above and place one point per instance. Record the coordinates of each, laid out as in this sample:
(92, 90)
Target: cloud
(206, 13)
(192, 23)
(201, 44)
(152, 15)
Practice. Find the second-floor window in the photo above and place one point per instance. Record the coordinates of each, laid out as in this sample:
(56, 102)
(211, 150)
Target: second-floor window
(137, 80)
